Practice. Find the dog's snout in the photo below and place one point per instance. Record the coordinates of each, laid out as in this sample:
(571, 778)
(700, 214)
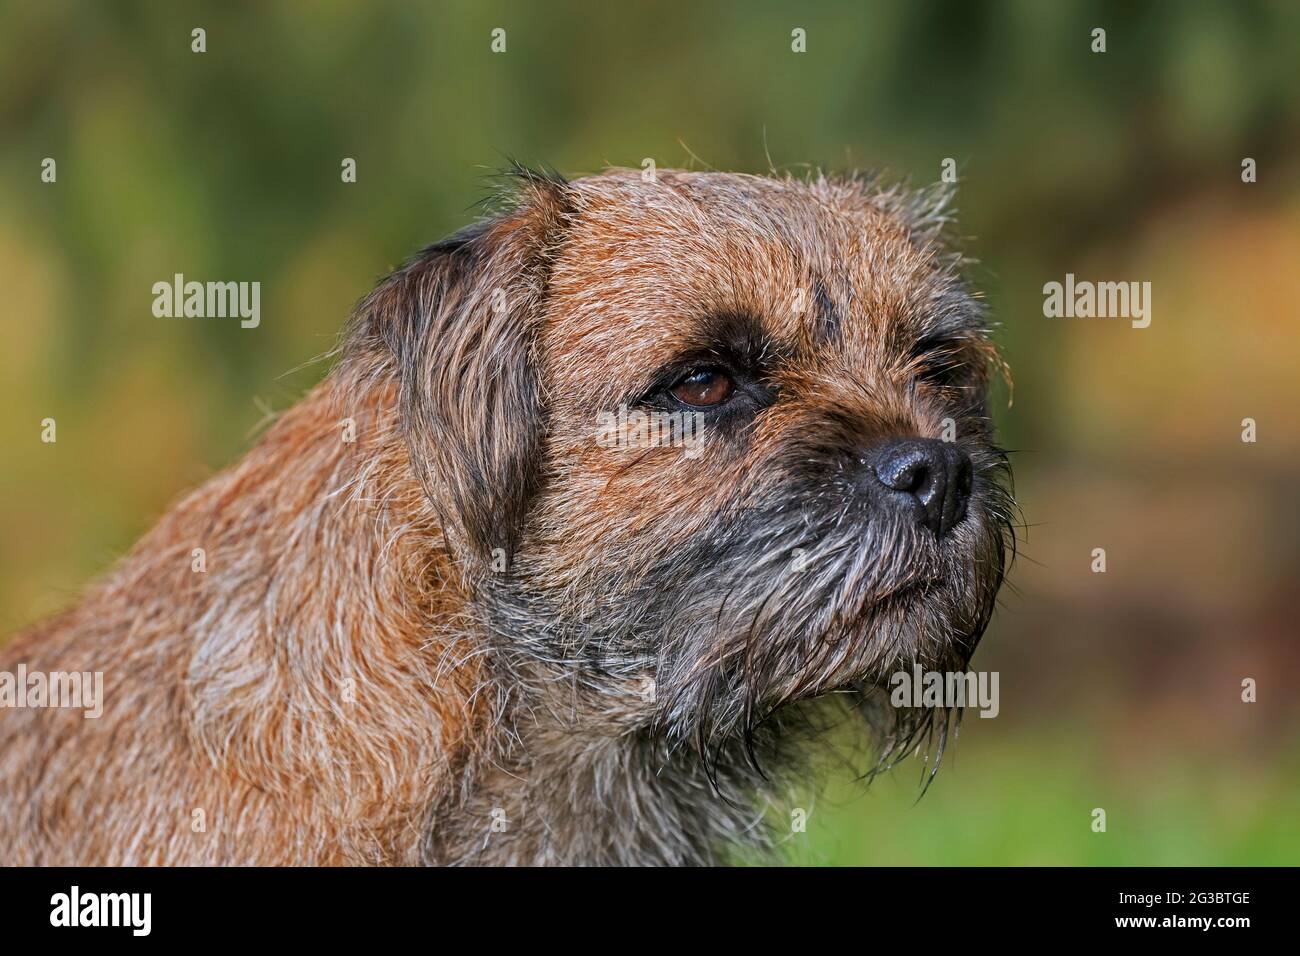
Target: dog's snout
(930, 478)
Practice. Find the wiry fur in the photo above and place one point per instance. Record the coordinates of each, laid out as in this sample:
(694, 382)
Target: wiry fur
(475, 375)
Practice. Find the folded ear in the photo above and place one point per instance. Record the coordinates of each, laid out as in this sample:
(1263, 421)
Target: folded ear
(461, 321)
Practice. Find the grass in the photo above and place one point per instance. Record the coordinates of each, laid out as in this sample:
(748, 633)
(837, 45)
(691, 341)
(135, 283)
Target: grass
(1029, 800)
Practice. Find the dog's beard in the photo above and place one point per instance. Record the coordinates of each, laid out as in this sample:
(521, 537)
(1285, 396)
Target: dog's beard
(799, 599)
(795, 598)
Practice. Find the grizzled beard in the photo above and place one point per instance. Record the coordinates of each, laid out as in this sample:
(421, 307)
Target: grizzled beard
(753, 664)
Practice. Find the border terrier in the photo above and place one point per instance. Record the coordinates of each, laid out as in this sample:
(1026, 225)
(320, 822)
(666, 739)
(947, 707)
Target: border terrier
(430, 619)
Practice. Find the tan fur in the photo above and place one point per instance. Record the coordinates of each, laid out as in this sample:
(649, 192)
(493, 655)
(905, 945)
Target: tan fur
(225, 689)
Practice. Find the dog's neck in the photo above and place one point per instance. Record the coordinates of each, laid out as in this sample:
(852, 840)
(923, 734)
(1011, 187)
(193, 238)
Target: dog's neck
(577, 779)
(579, 771)
(322, 671)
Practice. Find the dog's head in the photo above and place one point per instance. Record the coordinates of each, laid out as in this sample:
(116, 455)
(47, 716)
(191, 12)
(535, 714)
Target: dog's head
(728, 431)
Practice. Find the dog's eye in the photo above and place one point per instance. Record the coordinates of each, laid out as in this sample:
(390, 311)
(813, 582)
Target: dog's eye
(937, 361)
(941, 372)
(703, 388)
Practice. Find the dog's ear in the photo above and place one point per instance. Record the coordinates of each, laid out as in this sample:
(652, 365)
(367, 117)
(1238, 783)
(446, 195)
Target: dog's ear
(461, 323)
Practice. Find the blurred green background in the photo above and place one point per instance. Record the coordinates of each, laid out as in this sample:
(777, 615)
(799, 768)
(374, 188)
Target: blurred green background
(1119, 690)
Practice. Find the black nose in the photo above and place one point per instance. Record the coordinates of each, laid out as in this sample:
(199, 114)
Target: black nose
(929, 477)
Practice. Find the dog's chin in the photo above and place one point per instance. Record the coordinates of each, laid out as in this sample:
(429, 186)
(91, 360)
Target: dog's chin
(748, 678)
(922, 622)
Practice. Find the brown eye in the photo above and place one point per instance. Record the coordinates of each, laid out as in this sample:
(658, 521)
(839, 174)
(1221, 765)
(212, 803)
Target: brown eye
(703, 388)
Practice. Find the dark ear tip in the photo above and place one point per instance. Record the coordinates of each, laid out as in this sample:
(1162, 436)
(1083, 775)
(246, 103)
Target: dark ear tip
(543, 176)
(542, 189)
(457, 240)
(529, 186)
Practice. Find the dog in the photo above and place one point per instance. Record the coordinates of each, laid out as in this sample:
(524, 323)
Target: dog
(431, 619)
